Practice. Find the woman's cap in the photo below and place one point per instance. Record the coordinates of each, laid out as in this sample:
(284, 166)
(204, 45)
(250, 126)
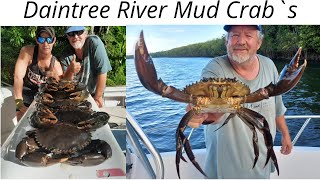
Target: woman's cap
(47, 29)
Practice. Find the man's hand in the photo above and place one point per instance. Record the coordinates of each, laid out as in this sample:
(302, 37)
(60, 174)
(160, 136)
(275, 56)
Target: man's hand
(74, 65)
(286, 140)
(20, 113)
(198, 119)
(99, 101)
(286, 145)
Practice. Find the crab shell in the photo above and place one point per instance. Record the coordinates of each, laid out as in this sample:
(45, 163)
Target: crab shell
(218, 94)
(63, 138)
(230, 87)
(54, 85)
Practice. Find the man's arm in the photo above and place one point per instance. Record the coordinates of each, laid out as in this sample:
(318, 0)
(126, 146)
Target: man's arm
(19, 73)
(286, 140)
(101, 84)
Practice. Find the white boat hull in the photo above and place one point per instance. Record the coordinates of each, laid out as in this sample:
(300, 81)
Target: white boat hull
(302, 163)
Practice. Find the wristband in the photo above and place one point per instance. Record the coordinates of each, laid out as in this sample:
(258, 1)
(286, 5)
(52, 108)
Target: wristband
(19, 104)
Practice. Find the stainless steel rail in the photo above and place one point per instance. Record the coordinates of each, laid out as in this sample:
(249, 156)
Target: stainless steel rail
(133, 132)
(306, 122)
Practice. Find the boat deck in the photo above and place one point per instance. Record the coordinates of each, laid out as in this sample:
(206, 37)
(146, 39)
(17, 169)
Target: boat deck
(302, 163)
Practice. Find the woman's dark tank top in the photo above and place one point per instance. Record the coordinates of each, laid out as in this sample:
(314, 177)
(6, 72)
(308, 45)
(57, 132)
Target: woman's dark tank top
(34, 77)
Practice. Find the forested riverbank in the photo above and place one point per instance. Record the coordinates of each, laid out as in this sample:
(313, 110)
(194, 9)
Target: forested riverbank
(280, 42)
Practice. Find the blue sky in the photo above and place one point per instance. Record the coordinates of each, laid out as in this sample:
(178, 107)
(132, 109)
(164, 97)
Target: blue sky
(162, 37)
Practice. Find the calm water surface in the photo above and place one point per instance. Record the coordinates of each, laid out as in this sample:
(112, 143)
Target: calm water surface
(159, 116)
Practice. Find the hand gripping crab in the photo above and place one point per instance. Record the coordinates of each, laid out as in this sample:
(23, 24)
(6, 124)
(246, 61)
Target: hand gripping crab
(61, 143)
(218, 95)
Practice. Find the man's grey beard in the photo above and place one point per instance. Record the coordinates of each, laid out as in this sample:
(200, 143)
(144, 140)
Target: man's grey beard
(77, 45)
(238, 58)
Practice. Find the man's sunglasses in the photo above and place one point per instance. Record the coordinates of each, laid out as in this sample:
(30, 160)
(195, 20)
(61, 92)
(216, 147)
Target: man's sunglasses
(73, 33)
(41, 40)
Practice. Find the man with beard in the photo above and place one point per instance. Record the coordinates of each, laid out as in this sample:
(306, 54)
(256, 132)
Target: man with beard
(230, 152)
(86, 61)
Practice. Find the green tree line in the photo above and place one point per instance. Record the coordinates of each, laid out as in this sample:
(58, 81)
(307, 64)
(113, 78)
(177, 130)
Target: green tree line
(113, 37)
(280, 42)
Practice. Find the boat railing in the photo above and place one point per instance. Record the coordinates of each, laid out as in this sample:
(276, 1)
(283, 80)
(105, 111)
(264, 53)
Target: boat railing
(115, 96)
(287, 117)
(134, 131)
(304, 125)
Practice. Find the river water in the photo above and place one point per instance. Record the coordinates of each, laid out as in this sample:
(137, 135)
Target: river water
(159, 116)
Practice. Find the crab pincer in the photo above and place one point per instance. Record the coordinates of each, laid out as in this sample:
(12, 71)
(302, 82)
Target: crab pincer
(288, 79)
(148, 75)
(144, 66)
(290, 75)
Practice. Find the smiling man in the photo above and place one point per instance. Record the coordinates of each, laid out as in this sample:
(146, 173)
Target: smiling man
(229, 149)
(34, 64)
(86, 61)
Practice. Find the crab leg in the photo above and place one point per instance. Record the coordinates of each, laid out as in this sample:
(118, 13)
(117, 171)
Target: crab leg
(148, 74)
(40, 159)
(179, 140)
(254, 117)
(28, 154)
(98, 120)
(254, 139)
(232, 115)
(288, 79)
(182, 140)
(94, 154)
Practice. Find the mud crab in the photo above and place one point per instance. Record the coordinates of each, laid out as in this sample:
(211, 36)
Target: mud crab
(83, 118)
(63, 122)
(62, 143)
(73, 99)
(63, 94)
(55, 89)
(54, 85)
(217, 95)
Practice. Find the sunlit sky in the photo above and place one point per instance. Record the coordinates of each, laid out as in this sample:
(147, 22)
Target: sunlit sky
(165, 37)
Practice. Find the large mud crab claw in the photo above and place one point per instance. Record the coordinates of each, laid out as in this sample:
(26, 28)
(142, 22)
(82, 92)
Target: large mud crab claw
(290, 75)
(288, 79)
(40, 119)
(148, 75)
(144, 66)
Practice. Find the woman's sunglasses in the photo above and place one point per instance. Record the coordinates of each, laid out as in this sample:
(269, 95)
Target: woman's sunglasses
(73, 33)
(41, 40)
